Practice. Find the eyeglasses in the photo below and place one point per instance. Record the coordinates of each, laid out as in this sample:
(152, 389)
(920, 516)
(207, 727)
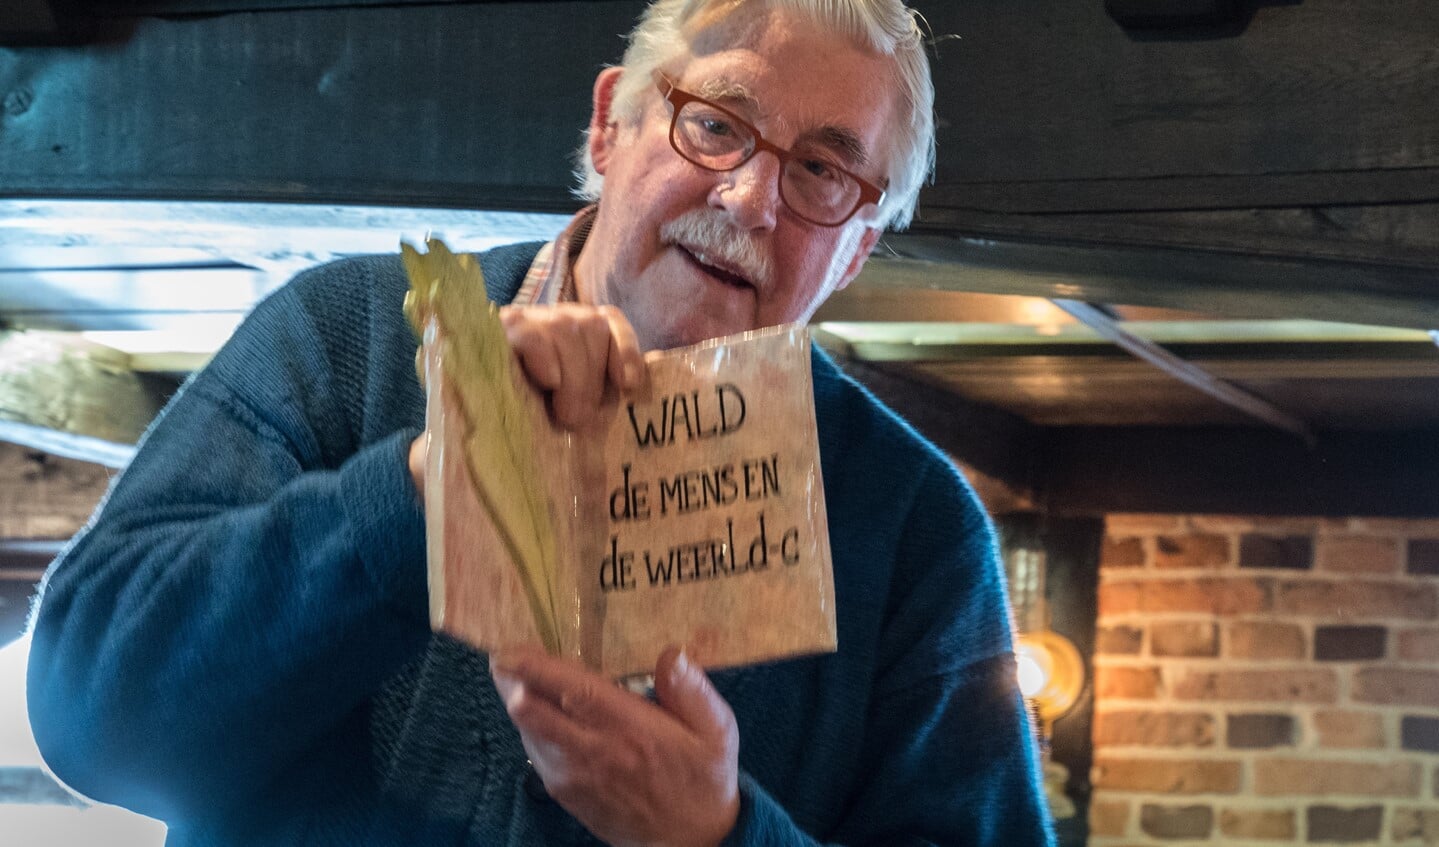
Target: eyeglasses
(716, 139)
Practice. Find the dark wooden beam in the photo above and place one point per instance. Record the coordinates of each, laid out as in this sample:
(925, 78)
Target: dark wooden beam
(27, 18)
(1234, 470)
(467, 105)
(1097, 168)
(1053, 90)
(1373, 186)
(1172, 14)
(134, 8)
(1174, 469)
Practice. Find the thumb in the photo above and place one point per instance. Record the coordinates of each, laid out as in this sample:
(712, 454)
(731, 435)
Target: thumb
(419, 454)
(684, 690)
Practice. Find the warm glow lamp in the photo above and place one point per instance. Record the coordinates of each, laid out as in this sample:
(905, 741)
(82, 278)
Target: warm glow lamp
(1049, 668)
(1051, 673)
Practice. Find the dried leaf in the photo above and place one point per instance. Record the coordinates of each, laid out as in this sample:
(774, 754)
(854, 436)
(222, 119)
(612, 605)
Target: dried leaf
(500, 455)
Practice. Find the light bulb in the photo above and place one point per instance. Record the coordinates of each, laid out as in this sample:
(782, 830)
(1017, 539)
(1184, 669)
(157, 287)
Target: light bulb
(1030, 671)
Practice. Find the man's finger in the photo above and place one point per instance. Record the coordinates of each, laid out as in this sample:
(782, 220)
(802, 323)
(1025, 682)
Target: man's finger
(577, 692)
(585, 344)
(533, 347)
(541, 722)
(685, 691)
(626, 362)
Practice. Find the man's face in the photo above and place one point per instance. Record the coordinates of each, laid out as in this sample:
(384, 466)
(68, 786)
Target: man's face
(663, 246)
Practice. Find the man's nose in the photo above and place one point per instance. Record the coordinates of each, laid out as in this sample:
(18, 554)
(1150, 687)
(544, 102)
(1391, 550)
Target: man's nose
(750, 192)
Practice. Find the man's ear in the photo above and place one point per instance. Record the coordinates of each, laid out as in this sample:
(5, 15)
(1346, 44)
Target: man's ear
(603, 122)
(862, 250)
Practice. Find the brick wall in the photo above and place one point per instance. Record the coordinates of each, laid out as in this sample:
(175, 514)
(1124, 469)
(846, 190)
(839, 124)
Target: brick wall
(1266, 681)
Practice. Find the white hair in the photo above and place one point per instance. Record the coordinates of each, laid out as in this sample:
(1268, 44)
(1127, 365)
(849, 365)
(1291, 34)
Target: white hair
(887, 27)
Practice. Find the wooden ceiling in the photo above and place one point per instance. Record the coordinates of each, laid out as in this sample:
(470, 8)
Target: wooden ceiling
(169, 171)
(167, 282)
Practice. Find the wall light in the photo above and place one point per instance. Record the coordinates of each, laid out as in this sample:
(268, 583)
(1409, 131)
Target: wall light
(1049, 668)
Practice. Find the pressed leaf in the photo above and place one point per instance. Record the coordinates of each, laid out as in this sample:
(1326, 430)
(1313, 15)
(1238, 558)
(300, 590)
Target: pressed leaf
(480, 369)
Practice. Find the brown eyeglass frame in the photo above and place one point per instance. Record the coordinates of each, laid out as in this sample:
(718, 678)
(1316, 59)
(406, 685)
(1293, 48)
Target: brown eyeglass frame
(678, 98)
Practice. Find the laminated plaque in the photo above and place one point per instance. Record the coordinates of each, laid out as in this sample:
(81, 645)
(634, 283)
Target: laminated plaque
(690, 514)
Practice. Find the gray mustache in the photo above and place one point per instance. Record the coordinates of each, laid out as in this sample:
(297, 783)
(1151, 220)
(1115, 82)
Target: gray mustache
(708, 232)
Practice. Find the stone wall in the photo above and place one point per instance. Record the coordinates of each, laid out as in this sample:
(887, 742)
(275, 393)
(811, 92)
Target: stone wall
(1267, 681)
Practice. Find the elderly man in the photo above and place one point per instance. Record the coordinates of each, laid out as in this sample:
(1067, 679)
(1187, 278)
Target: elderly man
(239, 644)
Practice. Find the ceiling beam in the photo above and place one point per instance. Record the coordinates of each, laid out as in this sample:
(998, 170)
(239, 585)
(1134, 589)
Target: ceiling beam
(1374, 186)
(1231, 284)
(1234, 470)
(27, 18)
(1187, 372)
(1168, 469)
(1263, 341)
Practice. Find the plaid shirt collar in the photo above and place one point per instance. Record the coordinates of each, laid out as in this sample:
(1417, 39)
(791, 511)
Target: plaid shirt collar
(550, 279)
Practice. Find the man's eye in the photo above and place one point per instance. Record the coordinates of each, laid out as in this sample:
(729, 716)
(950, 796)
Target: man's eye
(716, 126)
(819, 169)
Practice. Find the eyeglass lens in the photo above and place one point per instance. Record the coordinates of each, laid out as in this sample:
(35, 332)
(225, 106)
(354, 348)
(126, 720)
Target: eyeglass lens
(813, 187)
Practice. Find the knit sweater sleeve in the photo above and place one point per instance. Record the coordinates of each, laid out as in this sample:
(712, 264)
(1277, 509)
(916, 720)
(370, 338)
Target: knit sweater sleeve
(948, 752)
(251, 579)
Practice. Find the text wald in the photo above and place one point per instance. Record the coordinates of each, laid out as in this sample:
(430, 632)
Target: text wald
(682, 416)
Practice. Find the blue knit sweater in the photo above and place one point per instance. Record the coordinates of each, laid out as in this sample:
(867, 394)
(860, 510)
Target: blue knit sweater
(239, 643)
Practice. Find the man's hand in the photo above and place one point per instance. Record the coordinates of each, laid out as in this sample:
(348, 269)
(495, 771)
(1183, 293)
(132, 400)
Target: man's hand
(572, 352)
(631, 771)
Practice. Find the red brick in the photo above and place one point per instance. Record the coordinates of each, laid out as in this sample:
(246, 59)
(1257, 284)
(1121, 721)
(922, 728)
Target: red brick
(1184, 639)
(1349, 643)
(1122, 553)
(1192, 551)
(1352, 599)
(1153, 729)
(1187, 822)
(1349, 730)
(1119, 640)
(1126, 683)
(1284, 552)
(1140, 524)
(1258, 640)
(1343, 824)
(1108, 817)
(1209, 595)
(1309, 778)
(1419, 645)
(1258, 731)
(1396, 686)
(1419, 733)
(1167, 776)
(1258, 824)
(1422, 556)
(1395, 526)
(1358, 554)
(1118, 598)
(1411, 824)
(1252, 523)
(1298, 686)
